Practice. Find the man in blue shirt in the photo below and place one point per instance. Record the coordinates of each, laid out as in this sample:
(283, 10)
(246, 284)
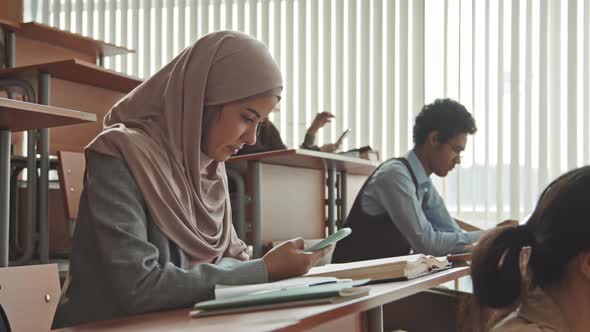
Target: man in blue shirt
(398, 209)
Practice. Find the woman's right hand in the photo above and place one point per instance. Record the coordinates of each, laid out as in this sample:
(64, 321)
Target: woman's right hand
(319, 121)
(289, 260)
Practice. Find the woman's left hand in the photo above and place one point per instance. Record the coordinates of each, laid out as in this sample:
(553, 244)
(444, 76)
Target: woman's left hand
(331, 147)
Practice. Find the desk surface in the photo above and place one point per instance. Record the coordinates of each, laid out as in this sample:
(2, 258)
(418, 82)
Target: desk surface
(311, 159)
(78, 71)
(287, 319)
(74, 41)
(10, 25)
(18, 115)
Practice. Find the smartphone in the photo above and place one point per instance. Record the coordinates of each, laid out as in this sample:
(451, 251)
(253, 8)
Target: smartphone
(339, 141)
(341, 234)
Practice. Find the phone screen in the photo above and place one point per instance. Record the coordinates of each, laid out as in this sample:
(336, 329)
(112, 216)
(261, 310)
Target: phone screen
(341, 234)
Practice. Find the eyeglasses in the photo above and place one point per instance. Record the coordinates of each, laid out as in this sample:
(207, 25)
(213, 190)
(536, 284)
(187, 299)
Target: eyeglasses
(457, 149)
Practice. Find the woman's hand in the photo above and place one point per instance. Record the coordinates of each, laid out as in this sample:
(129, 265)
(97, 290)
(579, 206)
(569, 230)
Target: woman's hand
(319, 121)
(289, 260)
(508, 222)
(331, 147)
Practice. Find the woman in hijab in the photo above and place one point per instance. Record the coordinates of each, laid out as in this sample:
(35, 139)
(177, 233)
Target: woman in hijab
(154, 226)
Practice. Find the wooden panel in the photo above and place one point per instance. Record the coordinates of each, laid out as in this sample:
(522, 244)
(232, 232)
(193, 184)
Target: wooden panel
(350, 323)
(354, 184)
(91, 99)
(443, 308)
(11, 10)
(60, 243)
(31, 52)
(311, 159)
(292, 203)
(29, 296)
(68, 40)
(71, 180)
(17, 115)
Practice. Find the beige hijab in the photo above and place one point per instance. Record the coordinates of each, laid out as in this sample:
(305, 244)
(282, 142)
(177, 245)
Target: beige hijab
(156, 129)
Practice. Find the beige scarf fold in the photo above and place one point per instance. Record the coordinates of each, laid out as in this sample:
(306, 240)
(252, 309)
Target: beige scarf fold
(156, 129)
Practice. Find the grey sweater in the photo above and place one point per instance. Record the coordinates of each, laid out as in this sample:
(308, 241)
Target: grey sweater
(121, 262)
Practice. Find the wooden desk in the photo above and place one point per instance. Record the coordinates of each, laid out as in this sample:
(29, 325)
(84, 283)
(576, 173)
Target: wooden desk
(10, 25)
(311, 159)
(38, 43)
(352, 315)
(74, 84)
(17, 116)
(291, 186)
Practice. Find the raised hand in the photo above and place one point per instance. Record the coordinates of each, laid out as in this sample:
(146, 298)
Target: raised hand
(319, 121)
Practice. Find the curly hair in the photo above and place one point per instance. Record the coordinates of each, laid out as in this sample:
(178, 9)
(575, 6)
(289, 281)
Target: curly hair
(446, 116)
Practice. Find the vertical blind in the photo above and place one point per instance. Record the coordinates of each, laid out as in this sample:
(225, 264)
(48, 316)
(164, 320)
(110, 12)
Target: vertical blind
(520, 66)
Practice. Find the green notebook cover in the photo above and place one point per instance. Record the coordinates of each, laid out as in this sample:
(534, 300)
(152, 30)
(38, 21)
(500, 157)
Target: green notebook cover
(281, 296)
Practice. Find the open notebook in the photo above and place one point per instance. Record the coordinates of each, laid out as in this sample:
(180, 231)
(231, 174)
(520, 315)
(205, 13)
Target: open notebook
(403, 267)
(281, 298)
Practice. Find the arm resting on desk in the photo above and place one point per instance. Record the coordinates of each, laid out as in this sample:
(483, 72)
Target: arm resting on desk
(467, 226)
(394, 191)
(142, 269)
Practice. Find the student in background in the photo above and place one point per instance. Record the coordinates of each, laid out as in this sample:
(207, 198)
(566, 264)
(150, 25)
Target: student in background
(398, 209)
(269, 138)
(318, 122)
(154, 230)
(543, 266)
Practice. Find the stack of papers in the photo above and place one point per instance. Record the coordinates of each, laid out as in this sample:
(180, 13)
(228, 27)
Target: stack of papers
(225, 291)
(286, 293)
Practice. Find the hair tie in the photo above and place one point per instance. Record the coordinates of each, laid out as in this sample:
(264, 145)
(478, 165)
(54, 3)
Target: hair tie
(525, 235)
(523, 239)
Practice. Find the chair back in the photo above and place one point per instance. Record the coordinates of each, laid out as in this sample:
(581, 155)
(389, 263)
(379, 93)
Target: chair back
(29, 296)
(71, 169)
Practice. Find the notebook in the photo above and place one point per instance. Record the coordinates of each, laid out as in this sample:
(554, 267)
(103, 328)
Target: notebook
(393, 268)
(281, 298)
(225, 291)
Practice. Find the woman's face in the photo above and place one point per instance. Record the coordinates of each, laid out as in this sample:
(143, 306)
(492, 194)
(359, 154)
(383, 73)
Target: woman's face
(235, 125)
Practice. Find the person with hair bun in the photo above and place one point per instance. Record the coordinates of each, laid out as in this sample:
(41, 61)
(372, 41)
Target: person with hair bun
(541, 267)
